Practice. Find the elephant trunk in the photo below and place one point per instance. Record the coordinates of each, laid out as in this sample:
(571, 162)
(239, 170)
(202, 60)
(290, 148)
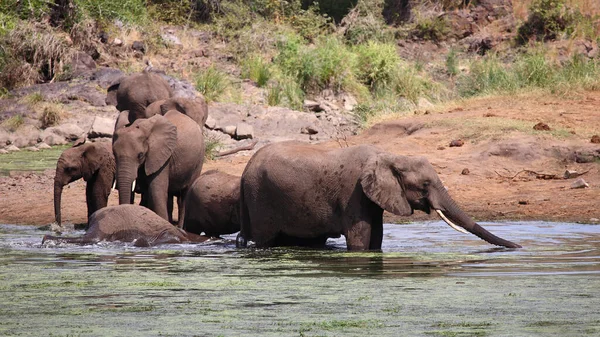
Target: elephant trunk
(458, 219)
(58, 188)
(126, 174)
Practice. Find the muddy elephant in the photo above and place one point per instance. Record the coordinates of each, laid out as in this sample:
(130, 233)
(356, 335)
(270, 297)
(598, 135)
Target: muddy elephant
(95, 163)
(196, 108)
(165, 154)
(211, 204)
(300, 194)
(129, 223)
(135, 92)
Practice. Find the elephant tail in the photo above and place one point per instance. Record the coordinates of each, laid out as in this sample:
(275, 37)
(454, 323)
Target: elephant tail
(245, 233)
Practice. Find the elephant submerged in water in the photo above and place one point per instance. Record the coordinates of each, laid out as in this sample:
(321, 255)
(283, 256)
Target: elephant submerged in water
(95, 163)
(129, 223)
(299, 194)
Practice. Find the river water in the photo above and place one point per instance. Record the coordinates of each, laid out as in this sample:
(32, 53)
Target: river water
(428, 281)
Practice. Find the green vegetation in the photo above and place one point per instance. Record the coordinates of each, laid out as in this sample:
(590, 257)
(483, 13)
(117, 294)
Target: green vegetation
(295, 49)
(51, 115)
(212, 83)
(211, 146)
(27, 161)
(14, 122)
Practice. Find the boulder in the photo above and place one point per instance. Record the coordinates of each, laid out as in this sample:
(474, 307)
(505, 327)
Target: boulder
(579, 183)
(3, 151)
(26, 135)
(229, 129)
(210, 123)
(102, 127)
(31, 148)
(244, 131)
(12, 148)
(69, 131)
(54, 139)
(43, 146)
(82, 64)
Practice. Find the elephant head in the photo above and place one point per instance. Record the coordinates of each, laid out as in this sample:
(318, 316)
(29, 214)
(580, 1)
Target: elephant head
(135, 92)
(146, 143)
(401, 184)
(196, 108)
(81, 161)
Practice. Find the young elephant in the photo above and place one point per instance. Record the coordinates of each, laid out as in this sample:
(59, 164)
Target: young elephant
(129, 223)
(301, 194)
(95, 163)
(211, 205)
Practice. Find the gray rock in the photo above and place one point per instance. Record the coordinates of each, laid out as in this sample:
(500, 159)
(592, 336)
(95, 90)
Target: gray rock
(43, 146)
(349, 101)
(3, 151)
(210, 123)
(105, 76)
(171, 39)
(424, 104)
(139, 46)
(82, 64)
(313, 106)
(579, 183)
(117, 42)
(68, 131)
(102, 127)
(12, 148)
(309, 130)
(244, 131)
(229, 129)
(53, 139)
(25, 135)
(31, 148)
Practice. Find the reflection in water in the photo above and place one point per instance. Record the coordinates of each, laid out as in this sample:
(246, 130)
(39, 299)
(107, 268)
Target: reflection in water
(428, 280)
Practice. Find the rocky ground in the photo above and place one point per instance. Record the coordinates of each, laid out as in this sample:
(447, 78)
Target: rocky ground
(504, 170)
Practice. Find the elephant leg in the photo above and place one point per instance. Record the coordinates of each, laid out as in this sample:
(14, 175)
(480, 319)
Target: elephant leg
(376, 230)
(158, 195)
(170, 207)
(181, 208)
(359, 236)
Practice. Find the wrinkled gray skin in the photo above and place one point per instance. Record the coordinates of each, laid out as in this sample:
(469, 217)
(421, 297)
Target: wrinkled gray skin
(95, 163)
(212, 203)
(196, 109)
(300, 194)
(165, 154)
(129, 223)
(135, 92)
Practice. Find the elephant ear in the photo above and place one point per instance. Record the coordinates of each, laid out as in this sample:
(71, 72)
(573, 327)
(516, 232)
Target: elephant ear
(381, 183)
(161, 143)
(91, 160)
(122, 120)
(111, 93)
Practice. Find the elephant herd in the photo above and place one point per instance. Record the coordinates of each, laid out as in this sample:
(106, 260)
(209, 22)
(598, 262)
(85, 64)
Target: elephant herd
(290, 193)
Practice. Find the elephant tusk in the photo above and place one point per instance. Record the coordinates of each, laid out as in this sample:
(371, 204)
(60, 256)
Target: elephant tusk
(133, 186)
(114, 185)
(450, 223)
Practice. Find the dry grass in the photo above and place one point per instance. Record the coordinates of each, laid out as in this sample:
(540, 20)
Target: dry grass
(588, 7)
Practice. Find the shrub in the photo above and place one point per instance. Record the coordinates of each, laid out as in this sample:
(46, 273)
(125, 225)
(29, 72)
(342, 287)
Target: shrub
(310, 24)
(212, 145)
(365, 23)
(547, 19)
(212, 83)
(376, 63)
(33, 98)
(431, 28)
(407, 83)
(128, 11)
(51, 115)
(452, 63)
(256, 69)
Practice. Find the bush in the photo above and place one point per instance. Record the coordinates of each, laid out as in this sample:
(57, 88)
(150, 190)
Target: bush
(310, 24)
(212, 145)
(14, 122)
(376, 63)
(285, 92)
(452, 63)
(431, 28)
(547, 19)
(51, 115)
(212, 83)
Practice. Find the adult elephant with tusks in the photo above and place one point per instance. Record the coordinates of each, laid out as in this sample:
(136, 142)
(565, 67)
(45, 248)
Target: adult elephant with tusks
(165, 152)
(299, 194)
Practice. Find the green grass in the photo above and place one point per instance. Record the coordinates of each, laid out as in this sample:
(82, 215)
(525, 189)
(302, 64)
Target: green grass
(26, 161)
(256, 69)
(14, 122)
(211, 147)
(212, 83)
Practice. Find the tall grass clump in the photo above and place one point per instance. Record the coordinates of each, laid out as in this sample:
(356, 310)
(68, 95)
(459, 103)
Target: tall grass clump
(534, 70)
(51, 115)
(14, 122)
(376, 64)
(212, 83)
(285, 92)
(487, 76)
(579, 73)
(256, 69)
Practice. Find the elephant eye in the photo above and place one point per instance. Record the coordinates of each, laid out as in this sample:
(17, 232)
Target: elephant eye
(141, 155)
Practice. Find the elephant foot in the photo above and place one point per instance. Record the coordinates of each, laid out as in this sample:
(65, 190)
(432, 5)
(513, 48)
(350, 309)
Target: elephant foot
(240, 241)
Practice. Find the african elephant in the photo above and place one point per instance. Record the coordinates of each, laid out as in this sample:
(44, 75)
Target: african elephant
(298, 194)
(211, 204)
(95, 163)
(196, 108)
(135, 92)
(165, 154)
(129, 223)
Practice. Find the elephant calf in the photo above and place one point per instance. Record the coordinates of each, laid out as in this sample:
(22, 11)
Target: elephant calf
(211, 205)
(129, 223)
(95, 163)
